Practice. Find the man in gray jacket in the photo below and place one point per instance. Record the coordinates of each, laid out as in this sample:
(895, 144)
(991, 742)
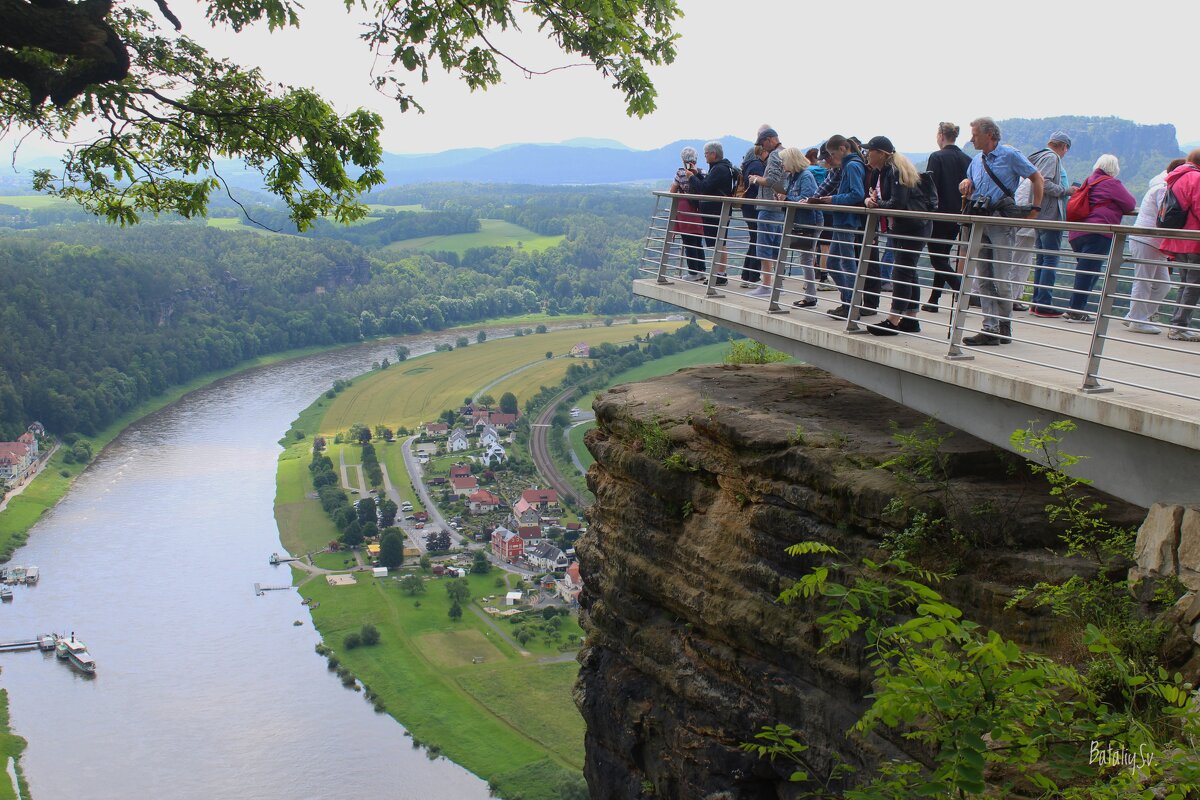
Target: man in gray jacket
(772, 182)
(1056, 190)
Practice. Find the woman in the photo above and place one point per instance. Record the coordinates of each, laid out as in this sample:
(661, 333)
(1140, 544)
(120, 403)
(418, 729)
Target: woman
(1152, 280)
(801, 185)
(1109, 200)
(847, 235)
(688, 224)
(898, 187)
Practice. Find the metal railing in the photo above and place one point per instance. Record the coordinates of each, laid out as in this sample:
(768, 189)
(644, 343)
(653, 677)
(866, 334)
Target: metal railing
(1098, 280)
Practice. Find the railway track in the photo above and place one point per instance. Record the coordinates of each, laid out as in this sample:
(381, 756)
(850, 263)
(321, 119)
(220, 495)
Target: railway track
(539, 448)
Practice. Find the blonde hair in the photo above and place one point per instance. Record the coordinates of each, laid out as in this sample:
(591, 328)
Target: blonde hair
(794, 160)
(906, 171)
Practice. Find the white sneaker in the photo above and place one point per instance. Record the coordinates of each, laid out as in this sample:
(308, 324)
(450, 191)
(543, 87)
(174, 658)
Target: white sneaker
(1142, 327)
(762, 291)
(1184, 335)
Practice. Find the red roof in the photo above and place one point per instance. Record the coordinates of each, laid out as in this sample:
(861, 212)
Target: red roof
(421, 515)
(573, 572)
(539, 496)
(530, 532)
(14, 450)
(483, 496)
(573, 526)
(460, 471)
(502, 419)
(436, 427)
(468, 482)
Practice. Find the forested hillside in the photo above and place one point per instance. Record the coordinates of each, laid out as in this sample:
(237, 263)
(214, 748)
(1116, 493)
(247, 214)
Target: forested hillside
(98, 318)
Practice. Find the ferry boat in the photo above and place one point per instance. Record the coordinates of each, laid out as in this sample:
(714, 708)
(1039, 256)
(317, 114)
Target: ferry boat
(6, 594)
(76, 652)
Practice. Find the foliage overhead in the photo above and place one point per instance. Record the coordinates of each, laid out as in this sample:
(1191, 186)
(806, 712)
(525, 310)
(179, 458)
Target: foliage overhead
(161, 109)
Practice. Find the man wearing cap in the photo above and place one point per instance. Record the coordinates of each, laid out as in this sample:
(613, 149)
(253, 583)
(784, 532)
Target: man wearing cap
(772, 182)
(992, 180)
(1056, 190)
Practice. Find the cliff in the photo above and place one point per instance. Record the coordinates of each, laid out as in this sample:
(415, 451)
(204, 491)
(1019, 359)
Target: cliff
(702, 479)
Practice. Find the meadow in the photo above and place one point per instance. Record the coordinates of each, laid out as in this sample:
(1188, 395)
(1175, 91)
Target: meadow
(417, 390)
(32, 201)
(492, 233)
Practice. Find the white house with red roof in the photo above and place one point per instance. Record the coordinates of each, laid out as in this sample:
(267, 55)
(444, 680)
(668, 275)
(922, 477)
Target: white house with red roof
(17, 458)
(571, 584)
(483, 501)
(463, 487)
(436, 429)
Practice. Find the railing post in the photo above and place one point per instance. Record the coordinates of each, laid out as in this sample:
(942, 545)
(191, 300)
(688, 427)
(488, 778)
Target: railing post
(789, 219)
(666, 245)
(722, 227)
(958, 316)
(1116, 257)
(860, 272)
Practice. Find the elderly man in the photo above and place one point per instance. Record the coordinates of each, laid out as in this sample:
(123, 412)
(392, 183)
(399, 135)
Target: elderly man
(1057, 189)
(991, 182)
(717, 183)
(771, 184)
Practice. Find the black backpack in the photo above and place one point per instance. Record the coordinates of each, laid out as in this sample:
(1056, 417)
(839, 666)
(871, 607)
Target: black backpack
(1171, 213)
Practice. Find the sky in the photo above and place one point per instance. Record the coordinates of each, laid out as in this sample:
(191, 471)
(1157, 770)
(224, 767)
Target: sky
(809, 69)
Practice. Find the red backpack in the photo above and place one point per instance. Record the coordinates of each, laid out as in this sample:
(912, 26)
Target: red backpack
(1079, 207)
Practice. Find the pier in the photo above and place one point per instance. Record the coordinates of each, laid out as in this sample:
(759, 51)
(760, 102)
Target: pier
(260, 590)
(277, 559)
(43, 642)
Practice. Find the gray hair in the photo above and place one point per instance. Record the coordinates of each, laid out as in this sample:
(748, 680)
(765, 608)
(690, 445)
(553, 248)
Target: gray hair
(688, 155)
(1108, 162)
(714, 147)
(987, 126)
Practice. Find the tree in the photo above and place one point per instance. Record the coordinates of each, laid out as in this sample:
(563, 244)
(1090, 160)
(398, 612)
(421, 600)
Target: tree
(402, 353)
(462, 342)
(387, 512)
(449, 416)
(549, 354)
(486, 400)
(480, 564)
(391, 550)
(540, 329)
(426, 562)
(481, 337)
(459, 590)
(369, 634)
(455, 612)
(508, 403)
(163, 109)
(359, 433)
(412, 585)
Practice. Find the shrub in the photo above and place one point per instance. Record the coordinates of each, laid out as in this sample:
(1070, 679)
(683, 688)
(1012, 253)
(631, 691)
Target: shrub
(352, 640)
(370, 635)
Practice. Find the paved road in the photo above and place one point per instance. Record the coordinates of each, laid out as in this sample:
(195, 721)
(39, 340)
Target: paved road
(415, 473)
(539, 449)
(410, 532)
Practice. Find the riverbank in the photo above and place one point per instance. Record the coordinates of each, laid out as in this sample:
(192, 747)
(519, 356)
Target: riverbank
(11, 747)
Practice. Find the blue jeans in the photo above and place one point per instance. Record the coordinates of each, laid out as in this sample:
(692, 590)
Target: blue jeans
(1092, 244)
(1044, 273)
(770, 237)
(843, 260)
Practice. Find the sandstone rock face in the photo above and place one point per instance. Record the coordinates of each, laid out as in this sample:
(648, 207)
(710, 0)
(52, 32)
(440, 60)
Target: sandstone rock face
(1158, 539)
(701, 480)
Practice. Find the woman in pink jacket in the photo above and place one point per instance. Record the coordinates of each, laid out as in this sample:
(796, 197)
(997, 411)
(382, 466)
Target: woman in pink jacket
(1185, 183)
(1109, 200)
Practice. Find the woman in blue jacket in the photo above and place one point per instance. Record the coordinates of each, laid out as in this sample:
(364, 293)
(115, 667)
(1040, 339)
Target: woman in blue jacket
(847, 227)
(801, 185)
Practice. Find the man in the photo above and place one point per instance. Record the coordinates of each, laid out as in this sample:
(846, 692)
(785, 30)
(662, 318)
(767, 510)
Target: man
(1056, 191)
(949, 167)
(771, 183)
(717, 183)
(1184, 181)
(992, 180)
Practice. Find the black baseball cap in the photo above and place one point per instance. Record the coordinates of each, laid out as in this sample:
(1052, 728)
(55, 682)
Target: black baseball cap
(880, 143)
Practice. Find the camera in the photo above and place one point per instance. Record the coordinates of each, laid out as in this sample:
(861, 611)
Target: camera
(981, 207)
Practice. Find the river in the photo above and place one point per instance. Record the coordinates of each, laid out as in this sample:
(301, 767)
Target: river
(203, 690)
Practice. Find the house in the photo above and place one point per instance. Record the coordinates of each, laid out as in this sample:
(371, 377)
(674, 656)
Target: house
(420, 516)
(544, 502)
(493, 455)
(531, 535)
(464, 486)
(489, 436)
(581, 350)
(17, 458)
(546, 556)
(457, 441)
(460, 471)
(528, 516)
(482, 502)
(436, 429)
(512, 598)
(571, 584)
(506, 421)
(379, 572)
(506, 545)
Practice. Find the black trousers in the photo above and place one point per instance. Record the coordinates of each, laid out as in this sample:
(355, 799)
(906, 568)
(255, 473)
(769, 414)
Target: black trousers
(751, 266)
(939, 251)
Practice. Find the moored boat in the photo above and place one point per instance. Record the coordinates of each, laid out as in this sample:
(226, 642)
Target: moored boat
(75, 651)
(6, 594)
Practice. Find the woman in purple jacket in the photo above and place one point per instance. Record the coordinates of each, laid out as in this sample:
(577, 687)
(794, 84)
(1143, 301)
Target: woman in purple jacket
(1109, 201)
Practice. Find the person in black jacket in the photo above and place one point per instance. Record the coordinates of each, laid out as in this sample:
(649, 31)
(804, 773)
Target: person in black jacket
(752, 164)
(717, 183)
(949, 166)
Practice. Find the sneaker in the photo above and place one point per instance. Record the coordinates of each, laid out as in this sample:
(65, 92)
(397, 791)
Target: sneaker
(1184, 335)
(930, 308)
(721, 280)
(1142, 327)
(841, 312)
(697, 276)
(762, 291)
(887, 286)
(826, 287)
(1020, 307)
(982, 339)
(1046, 313)
(807, 302)
(745, 285)
(1079, 316)
(863, 313)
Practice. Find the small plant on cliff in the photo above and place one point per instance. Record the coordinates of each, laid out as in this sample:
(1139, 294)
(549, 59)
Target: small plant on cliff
(748, 351)
(984, 717)
(678, 462)
(655, 442)
(796, 437)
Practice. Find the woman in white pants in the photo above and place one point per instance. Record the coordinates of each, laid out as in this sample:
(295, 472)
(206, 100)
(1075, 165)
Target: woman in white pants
(1151, 282)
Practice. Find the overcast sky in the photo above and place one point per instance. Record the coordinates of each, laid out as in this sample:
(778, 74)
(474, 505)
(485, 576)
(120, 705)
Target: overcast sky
(810, 69)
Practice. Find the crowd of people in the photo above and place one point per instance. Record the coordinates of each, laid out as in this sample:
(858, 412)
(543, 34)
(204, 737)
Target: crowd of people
(999, 181)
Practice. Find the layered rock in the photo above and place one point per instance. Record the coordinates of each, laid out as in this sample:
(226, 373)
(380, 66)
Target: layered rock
(702, 479)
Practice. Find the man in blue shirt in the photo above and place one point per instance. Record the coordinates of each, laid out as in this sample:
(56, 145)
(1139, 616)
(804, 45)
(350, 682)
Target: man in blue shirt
(998, 278)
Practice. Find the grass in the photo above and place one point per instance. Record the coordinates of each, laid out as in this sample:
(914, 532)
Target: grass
(492, 233)
(334, 560)
(533, 377)
(391, 457)
(32, 201)
(394, 398)
(576, 436)
(376, 207)
(509, 719)
(11, 746)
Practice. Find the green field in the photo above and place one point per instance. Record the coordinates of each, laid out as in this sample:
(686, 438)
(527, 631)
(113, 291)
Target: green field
(508, 719)
(492, 233)
(376, 207)
(11, 746)
(398, 396)
(391, 457)
(576, 435)
(32, 201)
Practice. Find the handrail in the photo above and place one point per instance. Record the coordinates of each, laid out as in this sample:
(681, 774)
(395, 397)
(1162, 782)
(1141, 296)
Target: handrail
(1095, 353)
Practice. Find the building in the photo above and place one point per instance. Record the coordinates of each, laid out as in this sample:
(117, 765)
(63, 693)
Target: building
(17, 458)
(570, 585)
(489, 436)
(463, 487)
(531, 535)
(482, 502)
(460, 471)
(546, 556)
(581, 350)
(494, 455)
(457, 441)
(506, 545)
(513, 597)
(436, 429)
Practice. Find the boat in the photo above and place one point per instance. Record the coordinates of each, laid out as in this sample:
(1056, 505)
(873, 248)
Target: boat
(76, 652)
(31, 575)
(6, 594)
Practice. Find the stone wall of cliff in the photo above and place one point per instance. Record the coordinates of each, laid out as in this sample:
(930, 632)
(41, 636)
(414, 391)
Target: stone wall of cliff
(702, 479)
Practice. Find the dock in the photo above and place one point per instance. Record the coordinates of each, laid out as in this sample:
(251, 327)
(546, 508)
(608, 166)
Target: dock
(43, 642)
(260, 590)
(278, 559)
